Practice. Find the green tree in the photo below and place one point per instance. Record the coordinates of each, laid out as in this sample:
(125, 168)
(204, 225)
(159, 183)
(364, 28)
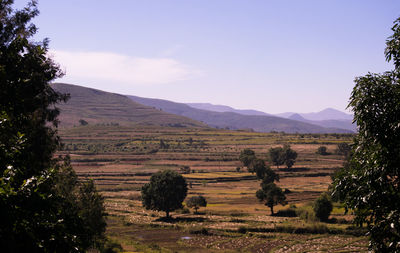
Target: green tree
(270, 176)
(276, 156)
(323, 207)
(282, 155)
(259, 167)
(41, 207)
(272, 195)
(370, 183)
(247, 156)
(196, 202)
(165, 192)
(289, 156)
(343, 149)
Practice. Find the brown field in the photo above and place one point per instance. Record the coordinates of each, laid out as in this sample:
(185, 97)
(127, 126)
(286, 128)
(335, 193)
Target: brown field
(122, 159)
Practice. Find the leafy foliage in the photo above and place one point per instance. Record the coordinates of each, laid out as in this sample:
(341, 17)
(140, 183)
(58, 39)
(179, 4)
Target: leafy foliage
(165, 192)
(83, 122)
(270, 193)
(370, 183)
(282, 155)
(343, 149)
(276, 156)
(322, 150)
(247, 156)
(259, 167)
(289, 156)
(43, 207)
(323, 207)
(196, 202)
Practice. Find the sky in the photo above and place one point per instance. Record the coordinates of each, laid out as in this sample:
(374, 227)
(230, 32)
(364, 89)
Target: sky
(269, 55)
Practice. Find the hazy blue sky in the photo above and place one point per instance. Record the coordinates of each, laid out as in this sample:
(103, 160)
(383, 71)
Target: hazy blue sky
(274, 56)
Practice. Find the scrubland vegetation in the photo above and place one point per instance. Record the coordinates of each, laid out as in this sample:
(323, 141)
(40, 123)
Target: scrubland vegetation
(49, 192)
(121, 160)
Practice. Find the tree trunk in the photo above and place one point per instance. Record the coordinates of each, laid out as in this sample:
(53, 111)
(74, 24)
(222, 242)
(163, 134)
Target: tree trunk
(272, 210)
(167, 212)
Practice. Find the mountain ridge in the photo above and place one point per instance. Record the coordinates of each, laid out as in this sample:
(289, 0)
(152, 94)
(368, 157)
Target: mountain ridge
(233, 120)
(99, 107)
(329, 117)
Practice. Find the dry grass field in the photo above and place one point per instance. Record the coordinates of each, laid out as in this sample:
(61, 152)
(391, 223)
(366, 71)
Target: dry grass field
(122, 159)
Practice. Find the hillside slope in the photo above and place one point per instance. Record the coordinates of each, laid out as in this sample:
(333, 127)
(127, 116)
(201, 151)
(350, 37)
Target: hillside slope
(236, 121)
(329, 118)
(330, 123)
(95, 107)
(224, 108)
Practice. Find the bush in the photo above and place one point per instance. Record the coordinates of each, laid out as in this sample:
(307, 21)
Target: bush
(196, 202)
(343, 149)
(323, 207)
(322, 150)
(111, 246)
(306, 213)
(184, 210)
(242, 230)
(290, 212)
(199, 231)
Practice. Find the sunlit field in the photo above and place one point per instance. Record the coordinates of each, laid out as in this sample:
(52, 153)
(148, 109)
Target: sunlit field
(122, 159)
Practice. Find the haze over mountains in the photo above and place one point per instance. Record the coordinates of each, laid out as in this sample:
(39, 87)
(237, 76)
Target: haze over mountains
(95, 106)
(329, 117)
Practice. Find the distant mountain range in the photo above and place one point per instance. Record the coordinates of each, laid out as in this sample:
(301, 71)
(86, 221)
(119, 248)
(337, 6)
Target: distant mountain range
(224, 108)
(95, 106)
(98, 107)
(329, 117)
(236, 119)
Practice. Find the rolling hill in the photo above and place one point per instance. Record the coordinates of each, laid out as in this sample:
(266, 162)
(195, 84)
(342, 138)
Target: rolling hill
(233, 120)
(224, 108)
(96, 107)
(329, 117)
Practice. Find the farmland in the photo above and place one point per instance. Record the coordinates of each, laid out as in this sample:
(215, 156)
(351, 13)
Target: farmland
(120, 159)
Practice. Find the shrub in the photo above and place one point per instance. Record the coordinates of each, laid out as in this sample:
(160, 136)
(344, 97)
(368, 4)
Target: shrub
(290, 212)
(322, 150)
(111, 246)
(199, 231)
(306, 214)
(323, 207)
(242, 230)
(196, 202)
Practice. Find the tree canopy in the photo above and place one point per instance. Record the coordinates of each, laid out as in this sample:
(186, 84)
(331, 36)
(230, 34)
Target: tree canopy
(323, 207)
(270, 193)
(247, 156)
(165, 192)
(196, 202)
(370, 183)
(282, 155)
(43, 207)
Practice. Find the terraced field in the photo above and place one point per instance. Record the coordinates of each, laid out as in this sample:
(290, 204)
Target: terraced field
(121, 159)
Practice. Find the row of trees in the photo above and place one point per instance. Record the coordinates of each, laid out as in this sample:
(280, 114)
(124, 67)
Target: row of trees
(269, 193)
(277, 156)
